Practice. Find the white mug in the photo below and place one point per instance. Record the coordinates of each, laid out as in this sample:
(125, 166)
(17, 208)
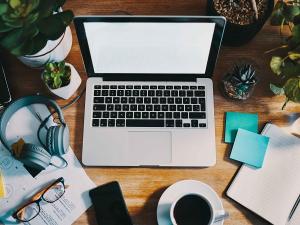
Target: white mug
(216, 215)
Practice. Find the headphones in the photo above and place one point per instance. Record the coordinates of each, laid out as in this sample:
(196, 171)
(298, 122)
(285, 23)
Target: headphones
(57, 138)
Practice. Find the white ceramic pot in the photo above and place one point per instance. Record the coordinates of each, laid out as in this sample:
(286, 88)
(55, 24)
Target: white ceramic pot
(67, 91)
(56, 51)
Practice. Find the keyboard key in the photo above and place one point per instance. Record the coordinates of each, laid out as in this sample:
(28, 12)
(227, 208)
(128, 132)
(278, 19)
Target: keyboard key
(193, 87)
(188, 108)
(113, 114)
(144, 123)
(120, 93)
(123, 100)
(108, 100)
(145, 115)
(128, 93)
(169, 115)
(185, 87)
(99, 107)
(149, 107)
(194, 123)
(177, 87)
(129, 115)
(118, 107)
(97, 92)
(141, 107)
(105, 114)
(137, 87)
(98, 100)
(184, 115)
(121, 86)
(202, 125)
(178, 123)
(145, 87)
(171, 100)
(125, 107)
(156, 107)
(197, 115)
(186, 125)
(105, 87)
(161, 87)
(110, 107)
(147, 100)
(196, 108)
(162, 100)
(154, 100)
(159, 93)
(133, 107)
(180, 107)
(97, 114)
(174, 93)
(161, 115)
(153, 87)
(97, 86)
(113, 86)
(143, 93)
(153, 115)
(199, 93)
(136, 93)
(129, 86)
(121, 115)
(176, 115)
(105, 93)
(103, 122)
(172, 108)
(95, 123)
(194, 101)
(151, 93)
(111, 122)
(112, 93)
(201, 87)
(139, 100)
(169, 87)
(169, 123)
(167, 93)
(120, 123)
(137, 115)
(178, 100)
(116, 100)
(186, 101)
(131, 100)
(190, 93)
(164, 107)
(182, 93)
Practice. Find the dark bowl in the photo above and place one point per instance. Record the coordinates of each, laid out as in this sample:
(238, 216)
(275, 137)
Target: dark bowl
(235, 34)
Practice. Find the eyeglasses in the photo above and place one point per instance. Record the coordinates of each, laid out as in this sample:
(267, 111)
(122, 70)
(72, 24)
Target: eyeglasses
(49, 194)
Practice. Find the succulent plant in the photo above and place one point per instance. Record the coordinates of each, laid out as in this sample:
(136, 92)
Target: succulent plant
(239, 83)
(27, 25)
(57, 74)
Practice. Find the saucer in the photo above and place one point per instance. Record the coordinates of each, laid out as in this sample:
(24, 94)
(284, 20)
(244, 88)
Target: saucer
(181, 188)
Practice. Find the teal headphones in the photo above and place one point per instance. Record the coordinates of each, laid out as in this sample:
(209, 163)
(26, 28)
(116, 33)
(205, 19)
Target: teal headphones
(57, 138)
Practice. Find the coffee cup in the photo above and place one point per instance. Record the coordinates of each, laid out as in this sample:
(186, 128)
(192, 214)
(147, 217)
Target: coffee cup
(195, 209)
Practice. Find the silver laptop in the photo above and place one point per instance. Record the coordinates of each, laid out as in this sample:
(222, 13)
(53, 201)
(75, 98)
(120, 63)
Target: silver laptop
(149, 95)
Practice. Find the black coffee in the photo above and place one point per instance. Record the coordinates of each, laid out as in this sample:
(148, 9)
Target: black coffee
(192, 210)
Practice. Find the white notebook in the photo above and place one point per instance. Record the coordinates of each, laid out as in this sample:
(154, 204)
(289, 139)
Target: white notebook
(271, 191)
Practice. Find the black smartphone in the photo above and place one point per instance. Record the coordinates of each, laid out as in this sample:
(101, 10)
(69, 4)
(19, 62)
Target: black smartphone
(5, 96)
(110, 207)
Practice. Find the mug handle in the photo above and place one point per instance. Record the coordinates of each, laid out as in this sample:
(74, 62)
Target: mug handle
(220, 215)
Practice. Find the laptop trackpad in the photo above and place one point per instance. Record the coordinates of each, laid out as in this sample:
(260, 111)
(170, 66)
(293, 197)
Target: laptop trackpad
(150, 148)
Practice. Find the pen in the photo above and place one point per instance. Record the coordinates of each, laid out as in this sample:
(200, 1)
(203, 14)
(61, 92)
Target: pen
(294, 208)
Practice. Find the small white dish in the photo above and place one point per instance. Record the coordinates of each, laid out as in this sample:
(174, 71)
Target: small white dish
(181, 188)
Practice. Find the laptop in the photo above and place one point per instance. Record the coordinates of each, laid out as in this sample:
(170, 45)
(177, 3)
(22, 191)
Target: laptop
(149, 93)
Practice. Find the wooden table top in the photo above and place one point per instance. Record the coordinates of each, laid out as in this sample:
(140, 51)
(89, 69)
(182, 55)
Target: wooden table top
(142, 187)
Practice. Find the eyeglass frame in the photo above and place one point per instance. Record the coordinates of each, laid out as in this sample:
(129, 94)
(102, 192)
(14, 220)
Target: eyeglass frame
(37, 201)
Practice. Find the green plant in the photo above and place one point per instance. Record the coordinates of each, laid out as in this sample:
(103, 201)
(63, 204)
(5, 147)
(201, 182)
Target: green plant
(57, 74)
(27, 25)
(287, 66)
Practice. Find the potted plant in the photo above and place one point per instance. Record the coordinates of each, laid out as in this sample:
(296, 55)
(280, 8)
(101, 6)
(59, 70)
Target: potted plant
(61, 78)
(287, 65)
(245, 18)
(36, 31)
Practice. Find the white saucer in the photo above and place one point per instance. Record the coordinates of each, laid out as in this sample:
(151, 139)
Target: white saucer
(180, 188)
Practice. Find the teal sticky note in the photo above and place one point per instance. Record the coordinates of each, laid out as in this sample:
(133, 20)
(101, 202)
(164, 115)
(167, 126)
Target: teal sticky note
(249, 148)
(236, 120)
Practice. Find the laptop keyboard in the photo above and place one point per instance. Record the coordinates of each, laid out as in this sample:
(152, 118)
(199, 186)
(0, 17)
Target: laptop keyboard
(149, 106)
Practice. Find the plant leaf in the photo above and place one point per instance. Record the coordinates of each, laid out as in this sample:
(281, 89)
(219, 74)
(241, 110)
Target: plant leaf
(290, 68)
(275, 64)
(292, 89)
(14, 3)
(290, 11)
(3, 8)
(276, 90)
(294, 55)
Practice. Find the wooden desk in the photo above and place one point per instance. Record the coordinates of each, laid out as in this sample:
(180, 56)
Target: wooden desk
(142, 187)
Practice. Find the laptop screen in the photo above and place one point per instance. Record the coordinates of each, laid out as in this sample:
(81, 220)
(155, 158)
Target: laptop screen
(146, 47)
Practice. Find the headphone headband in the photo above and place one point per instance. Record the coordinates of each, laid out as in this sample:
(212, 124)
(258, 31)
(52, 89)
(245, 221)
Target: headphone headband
(20, 103)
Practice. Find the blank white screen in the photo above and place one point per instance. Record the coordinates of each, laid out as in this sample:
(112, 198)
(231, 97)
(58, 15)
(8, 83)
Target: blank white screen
(149, 47)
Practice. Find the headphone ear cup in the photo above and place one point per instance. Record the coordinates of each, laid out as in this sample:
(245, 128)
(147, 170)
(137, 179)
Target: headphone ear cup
(35, 157)
(58, 140)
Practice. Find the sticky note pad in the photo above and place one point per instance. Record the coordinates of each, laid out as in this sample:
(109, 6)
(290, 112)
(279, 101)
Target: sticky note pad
(249, 148)
(236, 120)
(2, 188)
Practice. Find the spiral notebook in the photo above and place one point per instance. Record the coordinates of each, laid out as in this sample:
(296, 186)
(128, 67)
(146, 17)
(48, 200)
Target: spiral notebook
(272, 191)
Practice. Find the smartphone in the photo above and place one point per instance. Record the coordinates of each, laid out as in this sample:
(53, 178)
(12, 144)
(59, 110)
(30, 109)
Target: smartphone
(110, 207)
(5, 96)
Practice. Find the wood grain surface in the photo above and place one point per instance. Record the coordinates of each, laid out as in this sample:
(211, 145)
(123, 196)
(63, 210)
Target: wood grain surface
(142, 187)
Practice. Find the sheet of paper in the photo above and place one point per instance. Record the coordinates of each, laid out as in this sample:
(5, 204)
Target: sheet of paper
(2, 190)
(21, 186)
(236, 120)
(249, 148)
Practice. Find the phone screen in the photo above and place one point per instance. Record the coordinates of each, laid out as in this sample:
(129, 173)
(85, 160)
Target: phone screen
(4, 91)
(109, 205)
